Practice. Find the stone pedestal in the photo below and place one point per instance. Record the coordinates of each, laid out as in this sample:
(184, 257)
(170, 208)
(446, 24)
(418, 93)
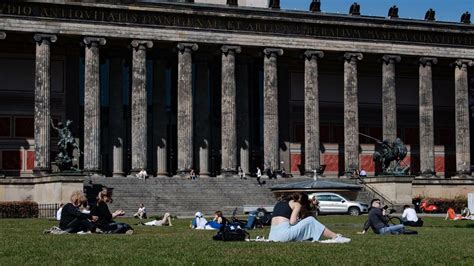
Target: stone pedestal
(311, 111)
(351, 113)
(185, 107)
(42, 110)
(270, 109)
(92, 155)
(427, 160)
(463, 142)
(139, 106)
(229, 111)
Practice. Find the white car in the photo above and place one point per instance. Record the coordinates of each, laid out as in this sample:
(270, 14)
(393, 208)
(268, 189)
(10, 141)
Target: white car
(334, 203)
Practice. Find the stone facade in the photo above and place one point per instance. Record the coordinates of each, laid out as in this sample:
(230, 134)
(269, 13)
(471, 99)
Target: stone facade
(238, 103)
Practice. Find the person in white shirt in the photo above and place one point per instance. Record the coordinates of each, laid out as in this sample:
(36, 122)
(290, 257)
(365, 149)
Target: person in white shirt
(363, 173)
(410, 218)
(141, 213)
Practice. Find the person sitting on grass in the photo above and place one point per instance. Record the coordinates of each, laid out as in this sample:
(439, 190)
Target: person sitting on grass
(379, 222)
(289, 222)
(199, 222)
(141, 213)
(218, 221)
(165, 221)
(466, 213)
(73, 220)
(106, 221)
(410, 218)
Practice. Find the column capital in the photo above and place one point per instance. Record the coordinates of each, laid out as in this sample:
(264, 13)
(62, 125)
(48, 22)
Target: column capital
(50, 38)
(313, 54)
(353, 56)
(391, 59)
(3, 35)
(187, 47)
(141, 44)
(94, 41)
(228, 48)
(269, 52)
(428, 61)
(460, 63)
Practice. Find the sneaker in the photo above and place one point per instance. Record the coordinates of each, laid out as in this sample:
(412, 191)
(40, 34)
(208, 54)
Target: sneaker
(55, 231)
(339, 239)
(84, 233)
(129, 232)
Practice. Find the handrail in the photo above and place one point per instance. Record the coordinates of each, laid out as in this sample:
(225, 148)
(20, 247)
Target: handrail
(375, 191)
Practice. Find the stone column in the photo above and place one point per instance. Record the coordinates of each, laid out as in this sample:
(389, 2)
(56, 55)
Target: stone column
(351, 113)
(139, 106)
(42, 114)
(160, 117)
(185, 107)
(229, 111)
(243, 119)
(92, 156)
(116, 116)
(463, 144)
(389, 98)
(427, 160)
(311, 111)
(271, 147)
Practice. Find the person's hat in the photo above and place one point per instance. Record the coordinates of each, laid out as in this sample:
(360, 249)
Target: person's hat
(198, 214)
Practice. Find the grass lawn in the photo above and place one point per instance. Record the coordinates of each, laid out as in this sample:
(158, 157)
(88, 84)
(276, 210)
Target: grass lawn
(439, 242)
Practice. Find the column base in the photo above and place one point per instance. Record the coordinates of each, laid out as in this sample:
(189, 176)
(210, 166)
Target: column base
(162, 174)
(118, 174)
(40, 172)
(228, 173)
(311, 173)
(204, 175)
(183, 173)
(427, 174)
(462, 174)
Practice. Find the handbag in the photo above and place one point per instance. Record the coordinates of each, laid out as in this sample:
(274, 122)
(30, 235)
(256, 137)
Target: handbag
(231, 233)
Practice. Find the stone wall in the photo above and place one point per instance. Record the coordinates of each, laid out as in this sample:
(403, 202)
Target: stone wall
(54, 189)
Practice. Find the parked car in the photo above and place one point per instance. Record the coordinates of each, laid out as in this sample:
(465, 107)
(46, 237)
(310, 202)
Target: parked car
(330, 203)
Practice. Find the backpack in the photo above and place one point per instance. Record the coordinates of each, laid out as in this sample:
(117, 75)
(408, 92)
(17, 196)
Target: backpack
(231, 233)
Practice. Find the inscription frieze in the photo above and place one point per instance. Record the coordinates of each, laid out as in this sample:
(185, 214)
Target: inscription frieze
(209, 22)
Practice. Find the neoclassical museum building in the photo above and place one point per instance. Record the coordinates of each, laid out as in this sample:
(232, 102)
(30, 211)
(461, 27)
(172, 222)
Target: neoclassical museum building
(170, 86)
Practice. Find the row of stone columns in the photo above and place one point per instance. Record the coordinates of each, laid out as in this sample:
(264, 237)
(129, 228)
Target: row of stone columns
(229, 111)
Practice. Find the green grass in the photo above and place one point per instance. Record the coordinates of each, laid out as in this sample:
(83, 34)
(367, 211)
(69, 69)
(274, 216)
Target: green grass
(439, 242)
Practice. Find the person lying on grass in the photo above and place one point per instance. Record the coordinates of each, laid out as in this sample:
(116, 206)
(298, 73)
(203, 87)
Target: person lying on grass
(73, 220)
(105, 221)
(291, 222)
(379, 222)
(165, 221)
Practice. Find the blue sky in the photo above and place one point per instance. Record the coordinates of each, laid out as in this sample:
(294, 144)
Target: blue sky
(446, 10)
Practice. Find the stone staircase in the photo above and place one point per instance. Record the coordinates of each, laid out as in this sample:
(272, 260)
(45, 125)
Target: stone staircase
(184, 197)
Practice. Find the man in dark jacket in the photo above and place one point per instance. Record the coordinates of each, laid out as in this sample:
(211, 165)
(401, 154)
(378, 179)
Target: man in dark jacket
(379, 223)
